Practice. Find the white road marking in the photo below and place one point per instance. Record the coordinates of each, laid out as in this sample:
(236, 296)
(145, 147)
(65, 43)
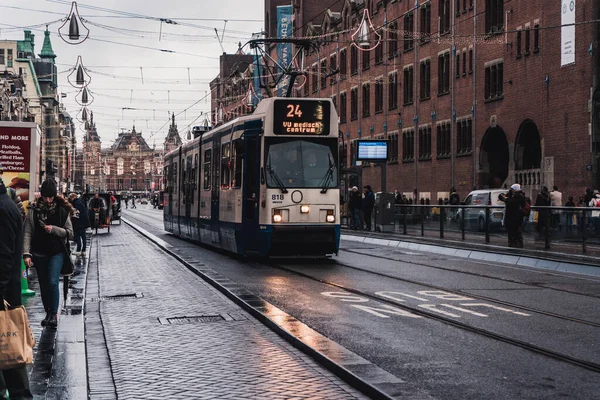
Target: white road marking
(347, 297)
(389, 295)
(386, 309)
(464, 310)
(495, 308)
(433, 307)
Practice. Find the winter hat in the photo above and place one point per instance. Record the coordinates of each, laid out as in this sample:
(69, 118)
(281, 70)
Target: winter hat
(516, 187)
(354, 188)
(49, 188)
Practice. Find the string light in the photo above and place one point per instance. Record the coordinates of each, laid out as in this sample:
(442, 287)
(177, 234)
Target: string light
(75, 25)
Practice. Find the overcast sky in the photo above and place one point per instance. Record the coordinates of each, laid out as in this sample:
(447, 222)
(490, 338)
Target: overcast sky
(117, 68)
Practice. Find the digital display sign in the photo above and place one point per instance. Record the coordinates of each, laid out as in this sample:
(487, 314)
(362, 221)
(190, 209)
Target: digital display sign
(301, 117)
(372, 150)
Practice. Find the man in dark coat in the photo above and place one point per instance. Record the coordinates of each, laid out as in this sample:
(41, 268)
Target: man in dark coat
(11, 250)
(368, 204)
(513, 215)
(355, 205)
(81, 222)
(543, 224)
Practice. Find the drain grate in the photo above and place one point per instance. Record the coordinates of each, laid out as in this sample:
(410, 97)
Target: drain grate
(117, 297)
(191, 320)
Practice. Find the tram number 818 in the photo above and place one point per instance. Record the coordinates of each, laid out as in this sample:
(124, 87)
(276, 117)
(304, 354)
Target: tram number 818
(278, 197)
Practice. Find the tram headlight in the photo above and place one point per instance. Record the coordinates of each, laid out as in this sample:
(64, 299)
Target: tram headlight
(304, 209)
(277, 217)
(330, 216)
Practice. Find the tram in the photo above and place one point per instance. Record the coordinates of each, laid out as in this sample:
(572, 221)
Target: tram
(261, 185)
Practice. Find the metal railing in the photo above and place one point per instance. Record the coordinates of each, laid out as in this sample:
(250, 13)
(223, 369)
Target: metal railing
(572, 229)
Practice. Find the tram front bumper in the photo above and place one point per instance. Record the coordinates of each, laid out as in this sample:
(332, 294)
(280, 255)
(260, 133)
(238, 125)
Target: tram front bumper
(289, 240)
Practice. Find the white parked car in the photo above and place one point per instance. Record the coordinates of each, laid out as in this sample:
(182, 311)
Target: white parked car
(475, 203)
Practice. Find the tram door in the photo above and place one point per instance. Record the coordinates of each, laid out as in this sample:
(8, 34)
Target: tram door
(215, 189)
(251, 187)
(189, 181)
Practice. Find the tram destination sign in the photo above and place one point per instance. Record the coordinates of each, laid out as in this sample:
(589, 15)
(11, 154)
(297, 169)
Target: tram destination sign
(372, 150)
(301, 117)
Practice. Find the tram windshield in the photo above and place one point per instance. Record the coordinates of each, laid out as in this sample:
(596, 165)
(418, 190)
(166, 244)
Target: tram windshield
(301, 163)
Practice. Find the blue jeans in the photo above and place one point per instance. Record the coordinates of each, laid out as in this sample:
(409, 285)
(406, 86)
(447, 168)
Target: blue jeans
(80, 239)
(48, 272)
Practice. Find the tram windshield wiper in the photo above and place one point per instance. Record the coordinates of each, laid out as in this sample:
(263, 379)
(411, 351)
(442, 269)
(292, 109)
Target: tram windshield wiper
(324, 184)
(275, 177)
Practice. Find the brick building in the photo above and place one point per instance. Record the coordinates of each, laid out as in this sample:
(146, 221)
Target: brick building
(460, 109)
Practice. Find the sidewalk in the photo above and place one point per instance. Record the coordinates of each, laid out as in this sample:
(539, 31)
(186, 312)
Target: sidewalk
(154, 330)
(542, 259)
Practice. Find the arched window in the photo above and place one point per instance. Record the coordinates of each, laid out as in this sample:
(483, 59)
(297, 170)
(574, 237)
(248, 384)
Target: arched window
(147, 166)
(120, 166)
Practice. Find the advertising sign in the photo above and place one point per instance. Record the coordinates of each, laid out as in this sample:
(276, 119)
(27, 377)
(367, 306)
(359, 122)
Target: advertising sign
(372, 150)
(284, 50)
(19, 158)
(567, 33)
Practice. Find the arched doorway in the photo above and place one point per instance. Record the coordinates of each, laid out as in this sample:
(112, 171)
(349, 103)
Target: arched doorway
(528, 147)
(493, 159)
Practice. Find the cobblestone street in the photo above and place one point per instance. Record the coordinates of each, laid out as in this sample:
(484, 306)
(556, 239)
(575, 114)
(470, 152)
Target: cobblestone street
(217, 352)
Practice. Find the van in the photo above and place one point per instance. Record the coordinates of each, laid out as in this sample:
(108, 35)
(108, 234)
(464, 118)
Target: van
(474, 210)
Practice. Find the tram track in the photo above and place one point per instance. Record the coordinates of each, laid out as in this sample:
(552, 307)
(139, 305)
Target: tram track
(535, 285)
(591, 366)
(588, 365)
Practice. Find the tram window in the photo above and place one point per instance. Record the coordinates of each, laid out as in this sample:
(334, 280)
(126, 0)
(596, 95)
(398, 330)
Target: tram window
(238, 161)
(207, 165)
(175, 177)
(225, 165)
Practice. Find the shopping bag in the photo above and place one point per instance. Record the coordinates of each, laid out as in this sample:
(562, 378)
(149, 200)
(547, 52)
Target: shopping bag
(533, 217)
(16, 338)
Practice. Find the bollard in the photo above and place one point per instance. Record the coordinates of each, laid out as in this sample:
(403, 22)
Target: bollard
(25, 291)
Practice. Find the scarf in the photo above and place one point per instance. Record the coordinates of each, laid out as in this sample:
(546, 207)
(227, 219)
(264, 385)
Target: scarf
(43, 210)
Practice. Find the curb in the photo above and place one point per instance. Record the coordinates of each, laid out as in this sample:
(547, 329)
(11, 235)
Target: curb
(488, 253)
(253, 305)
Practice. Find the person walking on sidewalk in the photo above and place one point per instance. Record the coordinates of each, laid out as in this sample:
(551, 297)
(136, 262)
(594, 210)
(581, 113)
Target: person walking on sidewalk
(355, 205)
(368, 204)
(11, 239)
(80, 221)
(46, 228)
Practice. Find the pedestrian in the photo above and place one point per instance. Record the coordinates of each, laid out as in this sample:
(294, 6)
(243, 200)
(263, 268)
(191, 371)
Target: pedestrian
(81, 222)
(453, 201)
(14, 380)
(46, 228)
(133, 202)
(126, 199)
(355, 205)
(513, 215)
(571, 217)
(595, 214)
(397, 197)
(543, 224)
(12, 193)
(556, 201)
(368, 204)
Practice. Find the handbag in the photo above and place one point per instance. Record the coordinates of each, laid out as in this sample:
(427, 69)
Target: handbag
(67, 266)
(16, 338)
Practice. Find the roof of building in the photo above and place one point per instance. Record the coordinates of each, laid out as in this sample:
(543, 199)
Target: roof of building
(126, 139)
(47, 51)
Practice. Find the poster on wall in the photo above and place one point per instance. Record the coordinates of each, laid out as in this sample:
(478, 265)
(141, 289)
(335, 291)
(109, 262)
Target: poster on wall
(19, 158)
(567, 20)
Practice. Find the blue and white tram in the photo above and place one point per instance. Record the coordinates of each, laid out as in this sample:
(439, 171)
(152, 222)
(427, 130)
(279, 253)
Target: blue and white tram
(263, 185)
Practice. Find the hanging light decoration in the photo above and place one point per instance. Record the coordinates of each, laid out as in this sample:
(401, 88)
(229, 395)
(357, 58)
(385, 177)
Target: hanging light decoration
(82, 116)
(79, 77)
(78, 32)
(251, 96)
(220, 114)
(365, 34)
(84, 98)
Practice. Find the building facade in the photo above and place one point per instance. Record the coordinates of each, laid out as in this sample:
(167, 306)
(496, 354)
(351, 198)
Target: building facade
(129, 166)
(469, 93)
(35, 80)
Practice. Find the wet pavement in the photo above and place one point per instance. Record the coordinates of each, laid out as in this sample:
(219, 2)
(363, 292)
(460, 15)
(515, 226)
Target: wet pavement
(155, 330)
